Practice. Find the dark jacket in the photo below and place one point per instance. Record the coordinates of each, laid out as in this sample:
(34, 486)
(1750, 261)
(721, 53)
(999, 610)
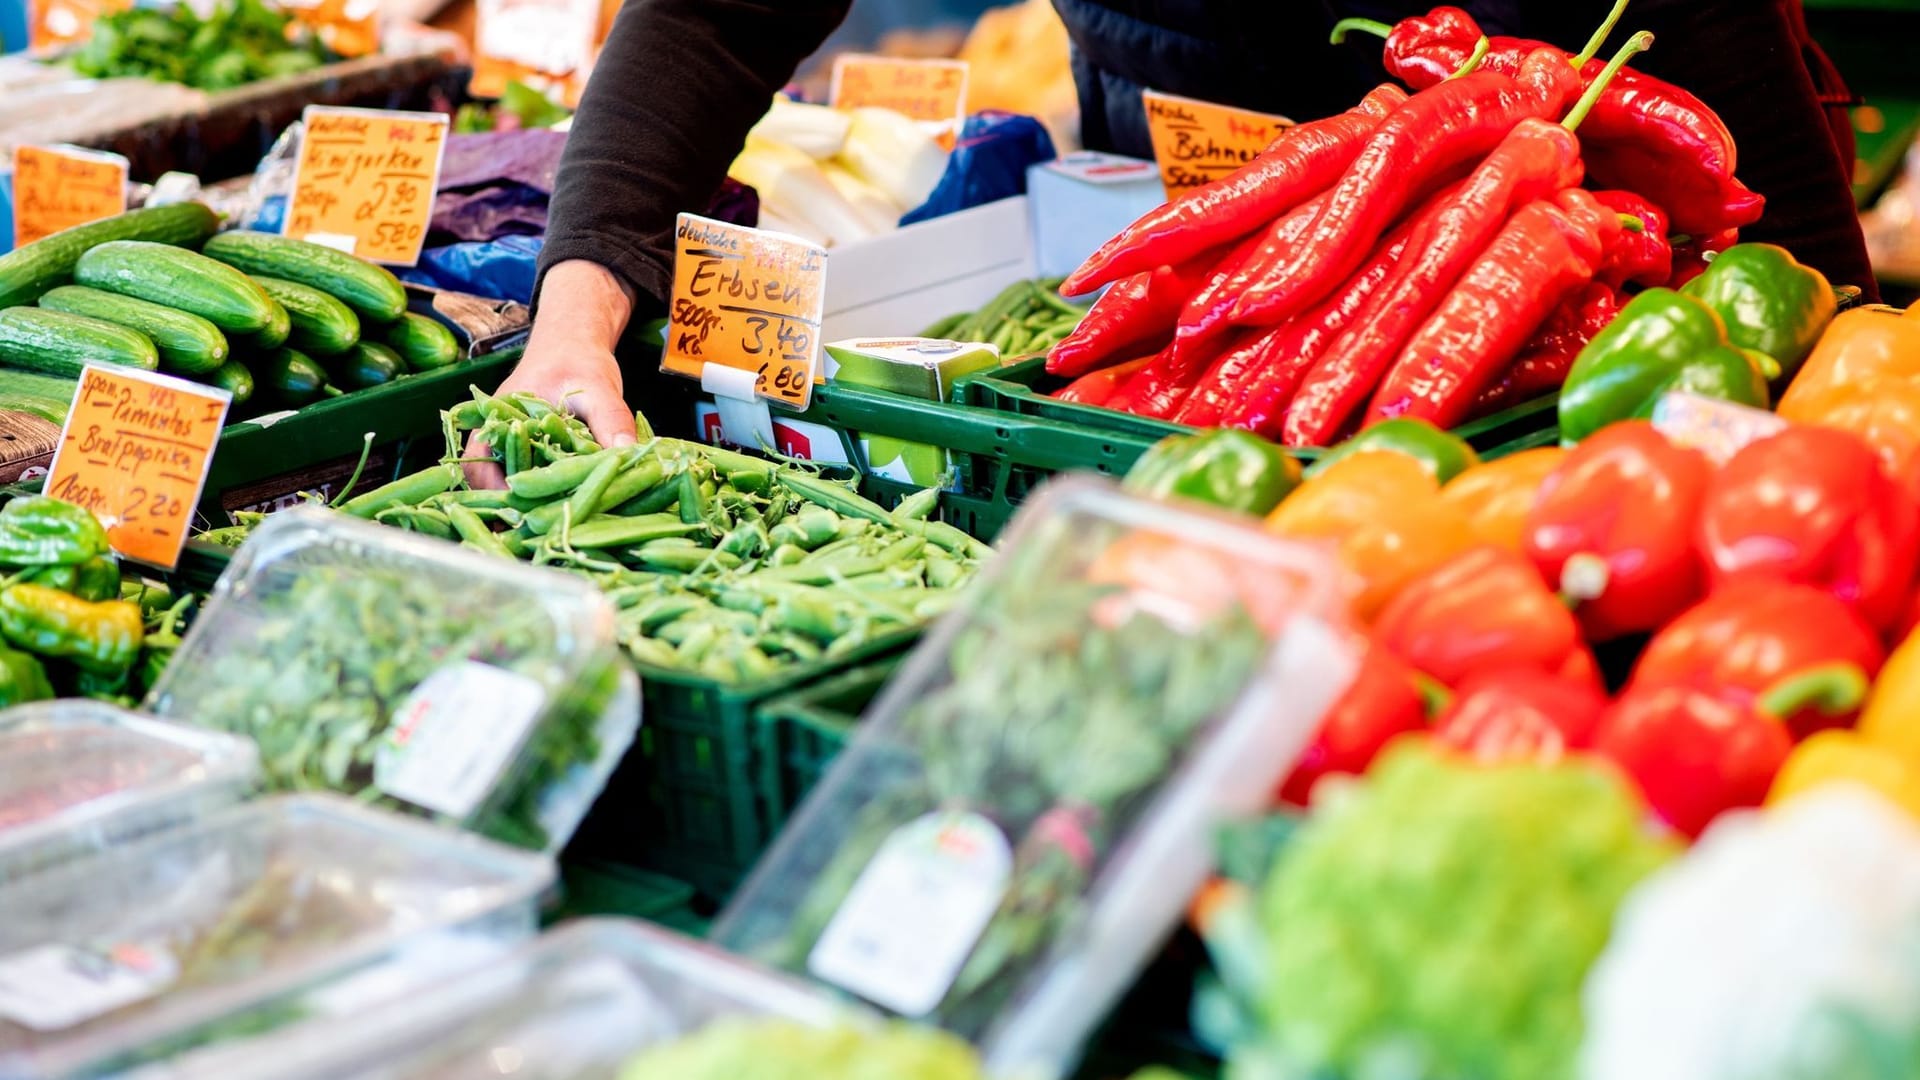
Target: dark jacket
(681, 81)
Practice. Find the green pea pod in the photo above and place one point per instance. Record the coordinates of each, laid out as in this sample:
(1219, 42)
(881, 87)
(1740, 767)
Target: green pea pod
(22, 679)
(39, 530)
(102, 637)
(1769, 301)
(1661, 342)
(1445, 454)
(1228, 468)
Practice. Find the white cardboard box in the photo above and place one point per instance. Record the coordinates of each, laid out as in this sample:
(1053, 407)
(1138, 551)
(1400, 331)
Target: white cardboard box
(898, 283)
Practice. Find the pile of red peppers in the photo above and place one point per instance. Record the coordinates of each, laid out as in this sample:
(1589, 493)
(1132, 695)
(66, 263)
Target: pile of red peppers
(1439, 255)
(1736, 611)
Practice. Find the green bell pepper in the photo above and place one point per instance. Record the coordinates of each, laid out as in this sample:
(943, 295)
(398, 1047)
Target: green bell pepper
(22, 678)
(1770, 302)
(1444, 454)
(1227, 468)
(38, 530)
(1661, 342)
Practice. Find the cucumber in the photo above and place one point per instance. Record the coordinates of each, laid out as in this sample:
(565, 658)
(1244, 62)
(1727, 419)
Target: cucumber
(234, 378)
(291, 378)
(369, 290)
(179, 279)
(56, 343)
(368, 363)
(278, 330)
(321, 325)
(28, 272)
(188, 344)
(422, 342)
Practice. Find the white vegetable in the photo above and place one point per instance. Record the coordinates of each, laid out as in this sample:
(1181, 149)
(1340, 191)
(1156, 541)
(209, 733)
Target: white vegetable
(872, 203)
(1783, 945)
(895, 155)
(815, 130)
(791, 186)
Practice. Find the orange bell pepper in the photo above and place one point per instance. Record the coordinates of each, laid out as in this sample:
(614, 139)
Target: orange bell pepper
(1495, 497)
(1386, 518)
(1864, 377)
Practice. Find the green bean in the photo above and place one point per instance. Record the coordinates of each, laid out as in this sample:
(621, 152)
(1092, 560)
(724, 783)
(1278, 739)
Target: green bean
(917, 506)
(834, 497)
(786, 555)
(560, 478)
(1002, 338)
(687, 560)
(474, 532)
(654, 614)
(516, 456)
(652, 652)
(693, 507)
(416, 519)
(407, 491)
(944, 326)
(1051, 298)
(810, 528)
(473, 499)
(792, 644)
(607, 531)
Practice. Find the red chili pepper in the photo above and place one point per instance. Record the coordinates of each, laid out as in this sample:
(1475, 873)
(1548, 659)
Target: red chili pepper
(1304, 160)
(1545, 361)
(1645, 134)
(1814, 505)
(1206, 320)
(1247, 354)
(1506, 714)
(1692, 254)
(1259, 403)
(1151, 379)
(1095, 387)
(1136, 315)
(1486, 609)
(1548, 251)
(1434, 133)
(1640, 253)
(1535, 160)
(1613, 528)
(1383, 703)
(1694, 755)
(1789, 652)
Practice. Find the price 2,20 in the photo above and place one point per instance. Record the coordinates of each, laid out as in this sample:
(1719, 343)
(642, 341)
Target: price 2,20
(143, 505)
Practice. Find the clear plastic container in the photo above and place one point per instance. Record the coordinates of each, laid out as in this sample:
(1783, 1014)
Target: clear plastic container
(412, 672)
(79, 775)
(238, 923)
(1028, 807)
(574, 1005)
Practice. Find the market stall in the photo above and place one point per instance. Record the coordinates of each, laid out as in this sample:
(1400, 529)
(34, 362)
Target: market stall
(1428, 601)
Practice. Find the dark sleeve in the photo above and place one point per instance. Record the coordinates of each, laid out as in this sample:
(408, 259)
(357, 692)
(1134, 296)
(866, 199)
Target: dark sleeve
(1747, 59)
(676, 89)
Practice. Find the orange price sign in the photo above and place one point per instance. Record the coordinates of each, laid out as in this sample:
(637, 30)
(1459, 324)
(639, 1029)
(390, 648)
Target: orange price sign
(546, 44)
(365, 181)
(52, 24)
(58, 187)
(747, 300)
(135, 452)
(1198, 142)
(933, 92)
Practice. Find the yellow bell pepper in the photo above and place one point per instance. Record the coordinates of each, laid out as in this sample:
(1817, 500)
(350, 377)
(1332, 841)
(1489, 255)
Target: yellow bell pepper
(1883, 750)
(1495, 497)
(1864, 377)
(1385, 516)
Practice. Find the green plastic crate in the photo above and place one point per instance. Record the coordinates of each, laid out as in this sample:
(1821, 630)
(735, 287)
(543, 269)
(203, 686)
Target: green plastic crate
(1022, 389)
(802, 732)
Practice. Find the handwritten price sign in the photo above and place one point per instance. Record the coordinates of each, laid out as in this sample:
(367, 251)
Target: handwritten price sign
(933, 92)
(365, 181)
(748, 300)
(135, 451)
(58, 187)
(1198, 142)
(52, 24)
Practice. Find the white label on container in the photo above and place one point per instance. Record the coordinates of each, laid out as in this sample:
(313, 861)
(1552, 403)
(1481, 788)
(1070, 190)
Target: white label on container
(53, 987)
(453, 736)
(1718, 429)
(910, 921)
(337, 241)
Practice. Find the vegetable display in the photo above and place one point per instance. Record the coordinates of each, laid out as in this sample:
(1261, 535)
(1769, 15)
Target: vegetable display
(235, 43)
(836, 176)
(154, 288)
(1027, 317)
(746, 1049)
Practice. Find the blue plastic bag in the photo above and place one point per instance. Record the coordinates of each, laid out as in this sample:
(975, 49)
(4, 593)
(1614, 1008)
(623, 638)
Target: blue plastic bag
(989, 163)
(504, 269)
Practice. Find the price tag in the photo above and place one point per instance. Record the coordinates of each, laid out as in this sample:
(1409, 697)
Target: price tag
(454, 735)
(1198, 142)
(54, 24)
(368, 175)
(54, 987)
(135, 451)
(58, 187)
(1718, 429)
(348, 27)
(748, 300)
(542, 43)
(933, 92)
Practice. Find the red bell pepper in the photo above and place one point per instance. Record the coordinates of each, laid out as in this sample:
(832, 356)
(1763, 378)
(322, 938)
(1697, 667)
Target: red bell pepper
(1485, 609)
(1814, 505)
(1504, 714)
(1384, 702)
(1304, 160)
(1613, 529)
(1788, 652)
(1693, 754)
